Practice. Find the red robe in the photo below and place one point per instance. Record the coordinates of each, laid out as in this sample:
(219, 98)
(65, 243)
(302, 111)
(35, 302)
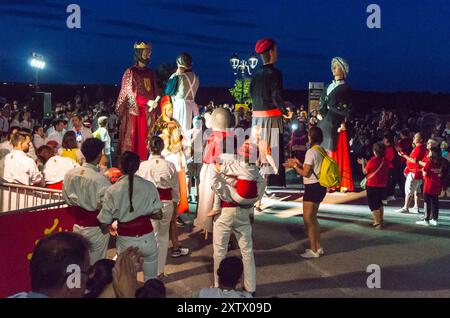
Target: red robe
(138, 87)
(342, 157)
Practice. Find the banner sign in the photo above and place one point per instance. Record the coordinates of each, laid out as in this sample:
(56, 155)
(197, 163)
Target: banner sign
(19, 234)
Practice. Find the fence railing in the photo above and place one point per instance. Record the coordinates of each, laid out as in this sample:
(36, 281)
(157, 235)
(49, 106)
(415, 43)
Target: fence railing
(22, 198)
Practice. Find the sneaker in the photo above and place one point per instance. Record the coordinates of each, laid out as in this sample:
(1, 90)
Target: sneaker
(180, 222)
(182, 251)
(320, 251)
(310, 254)
(415, 210)
(434, 223)
(377, 226)
(424, 223)
(390, 198)
(402, 210)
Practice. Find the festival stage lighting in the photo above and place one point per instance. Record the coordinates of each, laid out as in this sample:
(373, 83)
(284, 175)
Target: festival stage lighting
(37, 61)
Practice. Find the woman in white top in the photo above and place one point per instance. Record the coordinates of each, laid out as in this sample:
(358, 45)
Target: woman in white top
(26, 123)
(314, 192)
(133, 201)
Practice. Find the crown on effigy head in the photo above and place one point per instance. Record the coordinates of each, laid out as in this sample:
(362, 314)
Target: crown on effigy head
(142, 45)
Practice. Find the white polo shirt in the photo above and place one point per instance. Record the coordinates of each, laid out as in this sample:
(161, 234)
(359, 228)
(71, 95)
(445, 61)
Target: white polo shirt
(56, 167)
(162, 174)
(116, 204)
(19, 168)
(85, 187)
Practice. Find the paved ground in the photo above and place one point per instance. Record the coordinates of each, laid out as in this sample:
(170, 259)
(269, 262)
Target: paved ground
(414, 260)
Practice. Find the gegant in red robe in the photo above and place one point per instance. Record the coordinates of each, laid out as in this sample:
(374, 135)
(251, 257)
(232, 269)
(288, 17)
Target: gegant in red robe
(138, 88)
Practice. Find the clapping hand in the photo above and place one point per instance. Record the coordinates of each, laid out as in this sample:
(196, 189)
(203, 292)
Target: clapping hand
(291, 163)
(361, 161)
(125, 271)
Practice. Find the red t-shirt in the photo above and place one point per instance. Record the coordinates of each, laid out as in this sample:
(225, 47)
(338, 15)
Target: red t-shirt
(432, 179)
(404, 145)
(380, 179)
(390, 155)
(214, 145)
(418, 153)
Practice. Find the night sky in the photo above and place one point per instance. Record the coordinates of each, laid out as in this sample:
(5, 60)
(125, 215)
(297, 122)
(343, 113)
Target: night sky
(411, 51)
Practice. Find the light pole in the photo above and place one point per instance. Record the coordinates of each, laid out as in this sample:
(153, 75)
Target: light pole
(244, 67)
(37, 62)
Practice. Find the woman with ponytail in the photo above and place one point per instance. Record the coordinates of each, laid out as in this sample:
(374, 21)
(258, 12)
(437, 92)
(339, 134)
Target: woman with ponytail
(133, 202)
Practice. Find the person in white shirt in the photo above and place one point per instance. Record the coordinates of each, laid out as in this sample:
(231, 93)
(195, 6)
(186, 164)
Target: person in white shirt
(164, 176)
(58, 134)
(55, 167)
(15, 121)
(314, 191)
(6, 147)
(229, 274)
(4, 125)
(236, 210)
(133, 201)
(82, 132)
(39, 137)
(84, 189)
(19, 168)
(26, 123)
(102, 134)
(239, 181)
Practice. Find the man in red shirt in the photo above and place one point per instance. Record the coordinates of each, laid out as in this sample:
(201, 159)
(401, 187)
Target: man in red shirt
(413, 173)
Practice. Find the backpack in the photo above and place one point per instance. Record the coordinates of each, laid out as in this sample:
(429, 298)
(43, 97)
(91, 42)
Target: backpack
(329, 171)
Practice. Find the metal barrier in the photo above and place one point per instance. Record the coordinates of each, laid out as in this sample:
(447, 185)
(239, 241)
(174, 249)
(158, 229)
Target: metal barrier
(22, 198)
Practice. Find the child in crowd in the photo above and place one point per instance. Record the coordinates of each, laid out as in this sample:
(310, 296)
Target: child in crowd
(70, 149)
(230, 274)
(432, 174)
(238, 181)
(102, 134)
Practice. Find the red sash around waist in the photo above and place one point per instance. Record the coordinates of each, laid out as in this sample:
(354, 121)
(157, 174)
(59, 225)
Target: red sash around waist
(137, 227)
(55, 186)
(225, 204)
(246, 189)
(84, 217)
(165, 194)
(267, 113)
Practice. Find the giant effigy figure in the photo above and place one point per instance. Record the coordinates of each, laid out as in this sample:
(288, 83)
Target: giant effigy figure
(335, 104)
(137, 103)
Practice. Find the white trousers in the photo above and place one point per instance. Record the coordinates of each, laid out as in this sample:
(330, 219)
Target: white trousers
(99, 241)
(412, 185)
(235, 220)
(148, 248)
(161, 229)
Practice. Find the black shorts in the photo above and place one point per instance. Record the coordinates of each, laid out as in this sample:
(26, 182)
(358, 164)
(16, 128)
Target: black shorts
(374, 197)
(314, 193)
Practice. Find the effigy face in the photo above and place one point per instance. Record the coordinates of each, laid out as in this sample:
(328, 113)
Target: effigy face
(171, 135)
